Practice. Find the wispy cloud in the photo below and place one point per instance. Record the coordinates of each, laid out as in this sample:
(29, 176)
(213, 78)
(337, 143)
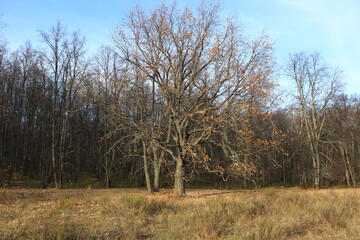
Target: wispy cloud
(305, 5)
(340, 19)
(339, 22)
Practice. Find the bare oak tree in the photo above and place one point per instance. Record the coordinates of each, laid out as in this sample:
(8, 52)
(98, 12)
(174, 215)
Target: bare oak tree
(201, 65)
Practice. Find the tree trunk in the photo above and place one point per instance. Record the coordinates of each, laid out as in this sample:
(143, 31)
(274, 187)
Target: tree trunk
(179, 185)
(53, 157)
(156, 176)
(314, 153)
(108, 168)
(157, 168)
(146, 169)
(62, 151)
(349, 175)
(318, 169)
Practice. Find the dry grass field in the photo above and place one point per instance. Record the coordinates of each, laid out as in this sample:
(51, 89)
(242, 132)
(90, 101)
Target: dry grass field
(203, 214)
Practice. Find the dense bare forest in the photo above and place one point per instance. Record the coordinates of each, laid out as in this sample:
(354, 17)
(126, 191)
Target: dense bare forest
(180, 98)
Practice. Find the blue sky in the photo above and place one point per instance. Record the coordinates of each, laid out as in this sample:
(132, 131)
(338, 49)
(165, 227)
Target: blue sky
(331, 27)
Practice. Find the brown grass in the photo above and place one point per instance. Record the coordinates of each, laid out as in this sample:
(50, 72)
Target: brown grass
(203, 214)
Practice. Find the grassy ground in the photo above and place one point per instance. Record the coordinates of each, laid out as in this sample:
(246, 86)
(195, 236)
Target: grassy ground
(203, 214)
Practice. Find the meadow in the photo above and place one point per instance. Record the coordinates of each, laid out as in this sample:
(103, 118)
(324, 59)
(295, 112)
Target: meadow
(273, 213)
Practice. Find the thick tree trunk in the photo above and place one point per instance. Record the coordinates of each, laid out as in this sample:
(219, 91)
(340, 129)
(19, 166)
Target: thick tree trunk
(108, 180)
(156, 177)
(179, 185)
(157, 168)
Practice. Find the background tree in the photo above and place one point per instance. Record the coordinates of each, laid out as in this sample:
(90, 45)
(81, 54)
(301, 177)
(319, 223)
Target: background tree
(66, 69)
(110, 93)
(317, 86)
(342, 131)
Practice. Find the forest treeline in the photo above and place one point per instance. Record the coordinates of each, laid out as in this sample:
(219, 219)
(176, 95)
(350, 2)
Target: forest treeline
(179, 97)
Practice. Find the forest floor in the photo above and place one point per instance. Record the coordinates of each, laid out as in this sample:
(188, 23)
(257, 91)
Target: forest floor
(288, 213)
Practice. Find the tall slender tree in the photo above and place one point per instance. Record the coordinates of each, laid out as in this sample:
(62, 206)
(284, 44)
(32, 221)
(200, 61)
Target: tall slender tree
(317, 85)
